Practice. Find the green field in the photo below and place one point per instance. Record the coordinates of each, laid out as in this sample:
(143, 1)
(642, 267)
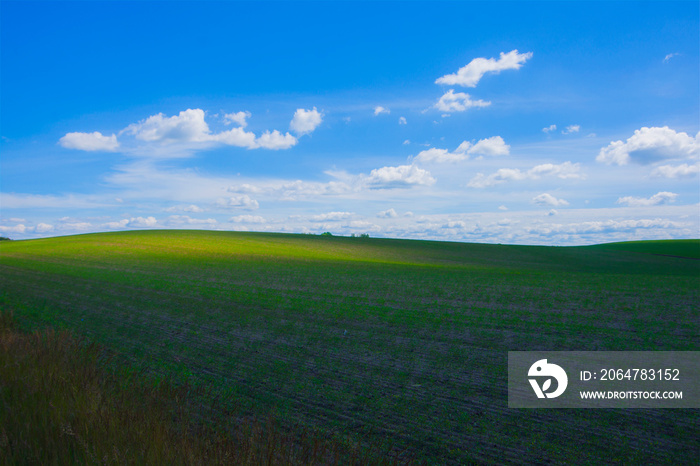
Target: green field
(377, 339)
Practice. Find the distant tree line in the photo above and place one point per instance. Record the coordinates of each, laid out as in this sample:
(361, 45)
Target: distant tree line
(363, 235)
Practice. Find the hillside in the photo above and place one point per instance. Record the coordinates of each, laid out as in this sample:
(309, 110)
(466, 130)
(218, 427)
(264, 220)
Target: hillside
(377, 339)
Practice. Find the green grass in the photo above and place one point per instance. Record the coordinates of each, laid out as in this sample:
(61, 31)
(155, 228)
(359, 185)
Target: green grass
(375, 340)
(59, 404)
(678, 248)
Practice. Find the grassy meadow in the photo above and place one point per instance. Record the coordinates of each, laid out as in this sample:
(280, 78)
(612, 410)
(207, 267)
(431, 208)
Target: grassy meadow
(396, 343)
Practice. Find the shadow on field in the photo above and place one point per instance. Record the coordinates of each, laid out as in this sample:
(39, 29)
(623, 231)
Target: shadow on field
(63, 402)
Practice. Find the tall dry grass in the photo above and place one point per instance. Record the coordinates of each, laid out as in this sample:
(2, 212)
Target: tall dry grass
(59, 405)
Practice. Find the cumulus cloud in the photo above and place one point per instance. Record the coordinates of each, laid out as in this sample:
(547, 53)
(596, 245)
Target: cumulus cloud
(390, 213)
(566, 170)
(549, 129)
(133, 222)
(75, 226)
(402, 120)
(458, 102)
(440, 156)
(247, 219)
(669, 56)
(21, 228)
(679, 171)
(549, 200)
(331, 217)
(363, 225)
(234, 137)
(240, 118)
(379, 110)
(292, 190)
(43, 228)
(663, 197)
(492, 146)
(604, 226)
(470, 74)
(571, 129)
(242, 201)
(178, 220)
(90, 142)
(123, 223)
(275, 140)
(649, 145)
(185, 208)
(398, 177)
(190, 130)
(305, 121)
(187, 126)
(142, 222)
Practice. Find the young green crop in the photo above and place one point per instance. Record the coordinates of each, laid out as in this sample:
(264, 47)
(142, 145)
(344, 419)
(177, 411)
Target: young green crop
(374, 338)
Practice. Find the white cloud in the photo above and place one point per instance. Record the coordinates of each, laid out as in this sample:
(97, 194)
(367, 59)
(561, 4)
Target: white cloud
(663, 197)
(649, 145)
(549, 128)
(552, 213)
(604, 226)
(242, 201)
(566, 170)
(275, 140)
(21, 228)
(188, 126)
(669, 56)
(185, 208)
(141, 222)
(47, 201)
(75, 226)
(458, 102)
(571, 129)
(390, 213)
(680, 171)
(89, 142)
(440, 156)
(234, 137)
(331, 217)
(43, 228)
(379, 110)
(247, 219)
(406, 142)
(402, 120)
(364, 225)
(455, 224)
(240, 118)
(176, 220)
(123, 223)
(305, 121)
(292, 190)
(398, 177)
(490, 146)
(470, 74)
(549, 200)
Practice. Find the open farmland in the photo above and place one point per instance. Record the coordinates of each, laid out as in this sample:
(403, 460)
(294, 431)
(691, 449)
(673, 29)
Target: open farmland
(377, 339)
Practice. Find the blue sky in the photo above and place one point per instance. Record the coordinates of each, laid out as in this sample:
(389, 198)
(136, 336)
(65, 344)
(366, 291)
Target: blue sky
(514, 122)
